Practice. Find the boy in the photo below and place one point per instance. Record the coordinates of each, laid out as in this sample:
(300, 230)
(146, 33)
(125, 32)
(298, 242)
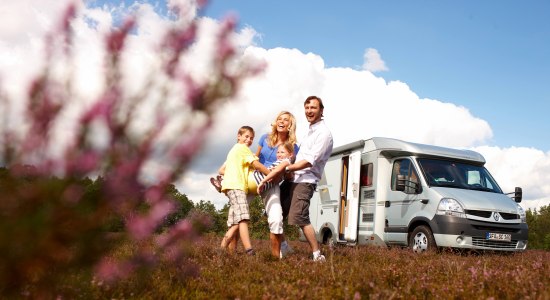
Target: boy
(234, 185)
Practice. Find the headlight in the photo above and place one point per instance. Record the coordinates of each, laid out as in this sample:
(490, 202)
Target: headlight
(450, 207)
(521, 213)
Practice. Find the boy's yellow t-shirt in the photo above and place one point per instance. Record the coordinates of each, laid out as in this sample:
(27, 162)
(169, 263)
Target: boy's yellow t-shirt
(237, 164)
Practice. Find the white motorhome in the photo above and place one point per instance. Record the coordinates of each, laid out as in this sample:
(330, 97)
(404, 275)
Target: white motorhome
(384, 191)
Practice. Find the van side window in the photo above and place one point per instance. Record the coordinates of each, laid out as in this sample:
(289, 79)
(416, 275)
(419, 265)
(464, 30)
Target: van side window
(403, 170)
(366, 174)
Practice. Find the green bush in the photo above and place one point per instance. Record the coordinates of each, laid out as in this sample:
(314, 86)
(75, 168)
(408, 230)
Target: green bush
(539, 228)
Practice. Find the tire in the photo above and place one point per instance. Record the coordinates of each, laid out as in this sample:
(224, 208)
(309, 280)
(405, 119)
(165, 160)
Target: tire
(422, 239)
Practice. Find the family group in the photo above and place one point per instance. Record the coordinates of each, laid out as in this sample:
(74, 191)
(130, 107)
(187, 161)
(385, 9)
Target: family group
(285, 175)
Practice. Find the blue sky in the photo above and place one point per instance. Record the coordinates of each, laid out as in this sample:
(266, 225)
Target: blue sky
(491, 57)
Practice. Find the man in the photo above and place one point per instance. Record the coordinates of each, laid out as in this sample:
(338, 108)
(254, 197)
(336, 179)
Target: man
(315, 150)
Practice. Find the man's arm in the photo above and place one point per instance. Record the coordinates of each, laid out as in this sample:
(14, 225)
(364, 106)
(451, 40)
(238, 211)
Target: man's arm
(285, 166)
(299, 165)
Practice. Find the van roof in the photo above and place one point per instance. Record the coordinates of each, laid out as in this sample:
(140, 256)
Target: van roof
(390, 147)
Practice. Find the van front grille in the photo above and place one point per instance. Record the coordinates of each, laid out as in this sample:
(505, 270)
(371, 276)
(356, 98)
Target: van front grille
(487, 214)
(506, 216)
(481, 242)
(479, 213)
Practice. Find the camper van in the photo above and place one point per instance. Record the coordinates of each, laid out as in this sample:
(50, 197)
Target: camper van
(387, 192)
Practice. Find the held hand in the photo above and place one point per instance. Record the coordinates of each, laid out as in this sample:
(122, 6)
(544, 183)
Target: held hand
(260, 187)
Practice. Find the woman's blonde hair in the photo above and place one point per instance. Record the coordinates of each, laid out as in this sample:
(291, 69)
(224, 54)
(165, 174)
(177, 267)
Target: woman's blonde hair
(273, 137)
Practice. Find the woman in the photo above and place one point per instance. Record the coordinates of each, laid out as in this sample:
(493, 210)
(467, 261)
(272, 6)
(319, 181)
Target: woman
(283, 129)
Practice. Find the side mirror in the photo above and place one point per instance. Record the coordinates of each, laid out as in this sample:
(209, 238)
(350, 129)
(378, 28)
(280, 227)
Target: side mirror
(518, 194)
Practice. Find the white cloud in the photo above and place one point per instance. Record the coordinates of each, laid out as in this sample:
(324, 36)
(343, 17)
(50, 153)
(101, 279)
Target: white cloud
(373, 61)
(197, 190)
(527, 168)
(358, 104)
(24, 24)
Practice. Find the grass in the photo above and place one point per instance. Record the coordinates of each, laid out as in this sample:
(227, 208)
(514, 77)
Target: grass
(348, 273)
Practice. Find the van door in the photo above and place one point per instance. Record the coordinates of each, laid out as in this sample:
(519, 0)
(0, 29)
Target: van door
(349, 197)
(402, 206)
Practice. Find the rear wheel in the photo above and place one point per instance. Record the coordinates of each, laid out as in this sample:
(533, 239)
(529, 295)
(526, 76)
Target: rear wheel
(422, 239)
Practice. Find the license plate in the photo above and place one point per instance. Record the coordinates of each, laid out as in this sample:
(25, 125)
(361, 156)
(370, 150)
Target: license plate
(498, 236)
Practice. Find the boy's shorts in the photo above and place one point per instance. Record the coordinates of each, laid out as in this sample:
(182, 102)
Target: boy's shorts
(238, 207)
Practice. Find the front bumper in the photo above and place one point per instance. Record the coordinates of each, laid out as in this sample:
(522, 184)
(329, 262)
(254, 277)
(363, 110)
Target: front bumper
(450, 231)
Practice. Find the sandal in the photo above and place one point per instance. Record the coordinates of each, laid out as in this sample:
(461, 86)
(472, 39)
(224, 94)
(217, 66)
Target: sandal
(216, 184)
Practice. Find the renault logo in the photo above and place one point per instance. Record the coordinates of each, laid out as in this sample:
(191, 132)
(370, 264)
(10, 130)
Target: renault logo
(496, 216)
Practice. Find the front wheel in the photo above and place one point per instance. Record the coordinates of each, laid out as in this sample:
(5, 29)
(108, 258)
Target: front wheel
(422, 239)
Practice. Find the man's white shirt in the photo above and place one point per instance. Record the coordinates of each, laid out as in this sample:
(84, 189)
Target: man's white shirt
(315, 148)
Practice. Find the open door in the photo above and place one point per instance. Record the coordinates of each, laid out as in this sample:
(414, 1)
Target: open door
(353, 196)
(343, 199)
(349, 197)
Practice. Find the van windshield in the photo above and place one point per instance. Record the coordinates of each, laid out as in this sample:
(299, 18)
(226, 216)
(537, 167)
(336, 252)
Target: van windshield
(448, 173)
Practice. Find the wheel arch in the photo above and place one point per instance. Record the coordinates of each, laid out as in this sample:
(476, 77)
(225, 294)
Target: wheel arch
(325, 233)
(415, 222)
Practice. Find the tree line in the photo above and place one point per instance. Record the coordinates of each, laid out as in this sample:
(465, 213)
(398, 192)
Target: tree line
(539, 228)
(537, 220)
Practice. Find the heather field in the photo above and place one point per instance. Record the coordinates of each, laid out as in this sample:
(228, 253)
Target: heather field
(348, 273)
(88, 203)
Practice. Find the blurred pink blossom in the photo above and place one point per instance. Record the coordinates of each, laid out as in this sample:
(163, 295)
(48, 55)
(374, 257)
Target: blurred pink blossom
(115, 40)
(110, 270)
(118, 164)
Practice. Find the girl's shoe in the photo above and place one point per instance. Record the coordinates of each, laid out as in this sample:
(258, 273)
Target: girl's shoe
(217, 185)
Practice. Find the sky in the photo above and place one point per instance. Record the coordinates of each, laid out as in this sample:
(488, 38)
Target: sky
(462, 74)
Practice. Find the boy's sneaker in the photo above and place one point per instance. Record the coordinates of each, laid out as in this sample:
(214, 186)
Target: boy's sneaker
(317, 256)
(320, 258)
(217, 184)
(250, 252)
(285, 249)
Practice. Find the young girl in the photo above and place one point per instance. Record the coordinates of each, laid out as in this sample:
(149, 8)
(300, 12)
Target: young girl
(285, 153)
(268, 188)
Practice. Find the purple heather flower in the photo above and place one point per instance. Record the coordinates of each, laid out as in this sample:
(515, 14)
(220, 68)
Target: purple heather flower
(115, 40)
